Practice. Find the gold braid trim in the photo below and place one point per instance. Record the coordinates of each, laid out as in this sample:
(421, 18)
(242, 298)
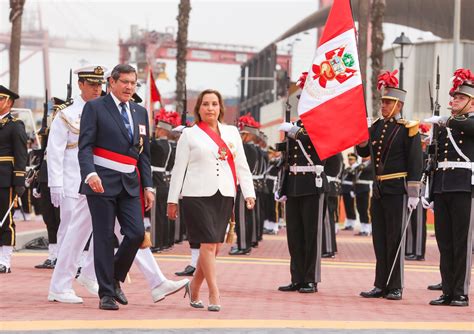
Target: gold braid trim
(69, 125)
(72, 145)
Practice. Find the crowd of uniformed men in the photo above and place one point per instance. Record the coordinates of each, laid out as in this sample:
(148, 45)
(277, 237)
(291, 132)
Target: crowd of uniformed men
(291, 182)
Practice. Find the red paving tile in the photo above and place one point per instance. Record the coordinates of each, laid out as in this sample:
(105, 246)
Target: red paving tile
(248, 289)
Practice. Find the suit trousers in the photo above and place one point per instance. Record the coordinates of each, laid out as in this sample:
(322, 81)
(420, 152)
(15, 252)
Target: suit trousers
(104, 210)
(389, 214)
(304, 217)
(362, 203)
(453, 226)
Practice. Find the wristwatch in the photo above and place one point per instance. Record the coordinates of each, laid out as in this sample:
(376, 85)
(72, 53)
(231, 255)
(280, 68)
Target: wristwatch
(151, 189)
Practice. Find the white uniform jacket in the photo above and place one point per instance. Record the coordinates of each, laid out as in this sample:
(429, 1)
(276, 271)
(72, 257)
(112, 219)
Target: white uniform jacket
(63, 164)
(198, 171)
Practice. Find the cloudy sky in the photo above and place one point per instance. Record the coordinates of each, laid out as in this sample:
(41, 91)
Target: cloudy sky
(102, 22)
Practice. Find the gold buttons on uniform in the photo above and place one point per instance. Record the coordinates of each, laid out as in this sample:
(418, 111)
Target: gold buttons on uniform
(458, 159)
(295, 156)
(309, 146)
(460, 142)
(378, 153)
(383, 130)
(445, 151)
(378, 159)
(462, 132)
(446, 144)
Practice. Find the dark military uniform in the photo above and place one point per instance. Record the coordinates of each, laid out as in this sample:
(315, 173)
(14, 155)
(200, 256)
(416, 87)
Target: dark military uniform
(304, 186)
(173, 225)
(271, 177)
(347, 192)
(333, 169)
(362, 185)
(398, 167)
(245, 227)
(453, 203)
(13, 156)
(160, 157)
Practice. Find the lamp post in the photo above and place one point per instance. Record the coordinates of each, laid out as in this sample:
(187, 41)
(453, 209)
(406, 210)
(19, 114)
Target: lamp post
(406, 43)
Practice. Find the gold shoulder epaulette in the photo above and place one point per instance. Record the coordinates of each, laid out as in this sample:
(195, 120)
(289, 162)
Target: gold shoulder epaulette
(412, 126)
(64, 105)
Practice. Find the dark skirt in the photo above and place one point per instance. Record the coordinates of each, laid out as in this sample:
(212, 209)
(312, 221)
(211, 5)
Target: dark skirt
(206, 218)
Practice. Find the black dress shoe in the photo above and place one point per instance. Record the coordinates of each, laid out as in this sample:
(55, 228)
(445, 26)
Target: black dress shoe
(308, 288)
(328, 255)
(348, 228)
(410, 257)
(108, 303)
(442, 300)
(290, 287)
(460, 301)
(47, 264)
(4, 269)
(438, 286)
(188, 271)
(255, 244)
(237, 251)
(374, 293)
(119, 295)
(394, 294)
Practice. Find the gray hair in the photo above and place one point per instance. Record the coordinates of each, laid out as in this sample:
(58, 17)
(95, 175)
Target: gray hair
(122, 68)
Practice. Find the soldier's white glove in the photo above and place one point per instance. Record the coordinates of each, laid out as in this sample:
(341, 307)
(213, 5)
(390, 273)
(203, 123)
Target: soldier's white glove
(35, 193)
(369, 122)
(426, 205)
(353, 195)
(179, 128)
(57, 194)
(286, 126)
(279, 199)
(413, 202)
(440, 120)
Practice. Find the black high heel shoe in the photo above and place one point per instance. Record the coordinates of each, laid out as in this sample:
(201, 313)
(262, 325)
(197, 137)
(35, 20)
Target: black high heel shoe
(192, 303)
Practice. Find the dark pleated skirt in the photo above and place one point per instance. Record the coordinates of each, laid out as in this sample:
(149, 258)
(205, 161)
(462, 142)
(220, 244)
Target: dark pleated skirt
(206, 218)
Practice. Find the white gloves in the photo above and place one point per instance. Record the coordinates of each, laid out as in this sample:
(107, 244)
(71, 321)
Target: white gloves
(440, 120)
(427, 205)
(57, 194)
(35, 193)
(286, 126)
(369, 122)
(278, 198)
(413, 202)
(353, 195)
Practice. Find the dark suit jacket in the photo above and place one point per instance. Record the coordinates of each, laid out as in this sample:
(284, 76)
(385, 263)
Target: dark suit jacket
(102, 126)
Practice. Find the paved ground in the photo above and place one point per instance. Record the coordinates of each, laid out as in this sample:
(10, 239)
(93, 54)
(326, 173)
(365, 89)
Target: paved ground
(249, 296)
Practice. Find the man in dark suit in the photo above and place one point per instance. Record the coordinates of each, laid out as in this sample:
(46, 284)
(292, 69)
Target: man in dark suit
(114, 157)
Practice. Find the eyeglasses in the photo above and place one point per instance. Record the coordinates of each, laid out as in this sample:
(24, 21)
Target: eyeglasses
(127, 82)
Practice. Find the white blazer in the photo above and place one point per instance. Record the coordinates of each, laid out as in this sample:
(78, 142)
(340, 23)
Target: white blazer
(198, 171)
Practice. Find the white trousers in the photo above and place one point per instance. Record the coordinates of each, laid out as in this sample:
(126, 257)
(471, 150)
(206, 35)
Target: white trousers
(146, 263)
(77, 227)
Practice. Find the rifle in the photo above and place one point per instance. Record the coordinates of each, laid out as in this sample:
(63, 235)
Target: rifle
(185, 104)
(69, 86)
(284, 147)
(433, 147)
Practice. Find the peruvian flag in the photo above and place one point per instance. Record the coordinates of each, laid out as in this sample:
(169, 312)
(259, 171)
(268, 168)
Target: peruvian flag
(332, 105)
(153, 93)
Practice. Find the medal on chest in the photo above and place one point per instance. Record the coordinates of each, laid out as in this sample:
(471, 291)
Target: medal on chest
(222, 153)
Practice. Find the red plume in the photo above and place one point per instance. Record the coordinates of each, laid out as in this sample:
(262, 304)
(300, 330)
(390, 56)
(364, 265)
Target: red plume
(302, 80)
(461, 75)
(424, 128)
(387, 79)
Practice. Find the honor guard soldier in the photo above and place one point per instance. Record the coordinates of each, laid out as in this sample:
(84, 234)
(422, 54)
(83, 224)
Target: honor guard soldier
(304, 186)
(13, 155)
(363, 180)
(272, 207)
(398, 167)
(452, 188)
(333, 168)
(245, 220)
(348, 195)
(161, 157)
(50, 213)
(262, 167)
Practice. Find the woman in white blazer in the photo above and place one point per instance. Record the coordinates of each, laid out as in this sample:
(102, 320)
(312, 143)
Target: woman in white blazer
(210, 161)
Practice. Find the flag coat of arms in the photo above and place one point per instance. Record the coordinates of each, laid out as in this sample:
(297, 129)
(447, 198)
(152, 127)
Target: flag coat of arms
(332, 105)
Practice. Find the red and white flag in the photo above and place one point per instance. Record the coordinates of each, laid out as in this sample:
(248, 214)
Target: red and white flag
(332, 105)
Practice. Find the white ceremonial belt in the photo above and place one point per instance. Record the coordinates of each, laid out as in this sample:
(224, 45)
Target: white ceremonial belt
(333, 179)
(257, 177)
(158, 169)
(456, 164)
(364, 182)
(114, 165)
(271, 177)
(349, 183)
(304, 169)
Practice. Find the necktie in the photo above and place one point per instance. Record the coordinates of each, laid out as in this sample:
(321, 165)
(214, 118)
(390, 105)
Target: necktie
(126, 121)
